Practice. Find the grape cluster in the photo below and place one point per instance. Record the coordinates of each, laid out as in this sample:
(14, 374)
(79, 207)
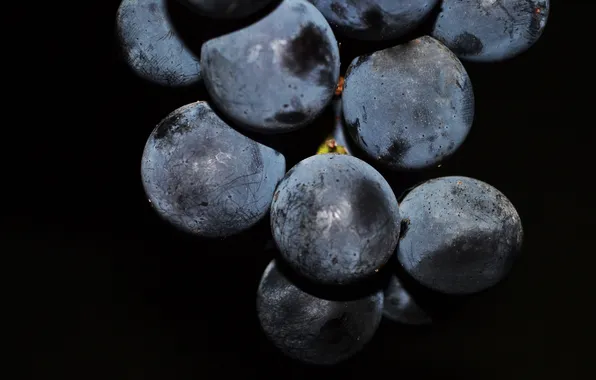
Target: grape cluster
(335, 221)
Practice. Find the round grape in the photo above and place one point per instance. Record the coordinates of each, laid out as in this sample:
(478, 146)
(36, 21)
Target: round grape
(375, 20)
(312, 329)
(206, 178)
(410, 106)
(462, 235)
(151, 47)
(490, 30)
(335, 219)
(227, 9)
(277, 74)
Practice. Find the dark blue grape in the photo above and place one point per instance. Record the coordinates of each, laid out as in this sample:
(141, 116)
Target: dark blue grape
(335, 219)
(205, 177)
(461, 235)
(375, 19)
(151, 47)
(490, 30)
(409, 106)
(277, 74)
(312, 329)
(227, 9)
(399, 306)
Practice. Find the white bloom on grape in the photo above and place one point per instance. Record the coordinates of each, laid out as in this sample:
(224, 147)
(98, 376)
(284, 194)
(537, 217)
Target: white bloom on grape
(487, 3)
(253, 53)
(339, 212)
(278, 47)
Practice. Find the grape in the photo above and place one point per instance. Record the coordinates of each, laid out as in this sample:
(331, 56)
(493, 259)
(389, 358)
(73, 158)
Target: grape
(399, 306)
(312, 329)
(490, 30)
(461, 235)
(409, 106)
(375, 19)
(151, 47)
(227, 9)
(277, 74)
(335, 219)
(205, 177)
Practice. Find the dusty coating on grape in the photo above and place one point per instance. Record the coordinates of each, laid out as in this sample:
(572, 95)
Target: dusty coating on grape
(335, 219)
(462, 237)
(285, 69)
(151, 47)
(206, 178)
(227, 9)
(374, 19)
(410, 106)
(400, 307)
(311, 329)
(490, 30)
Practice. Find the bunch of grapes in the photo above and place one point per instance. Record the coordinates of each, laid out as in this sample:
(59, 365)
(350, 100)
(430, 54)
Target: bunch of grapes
(335, 220)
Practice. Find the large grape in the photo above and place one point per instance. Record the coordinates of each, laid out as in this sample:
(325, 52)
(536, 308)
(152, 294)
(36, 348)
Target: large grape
(205, 177)
(335, 219)
(227, 9)
(409, 106)
(490, 30)
(151, 47)
(462, 235)
(312, 329)
(375, 19)
(277, 74)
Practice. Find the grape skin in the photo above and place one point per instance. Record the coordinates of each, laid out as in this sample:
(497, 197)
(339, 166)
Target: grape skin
(335, 219)
(227, 9)
(375, 20)
(490, 30)
(408, 107)
(312, 329)
(151, 47)
(285, 69)
(462, 235)
(206, 178)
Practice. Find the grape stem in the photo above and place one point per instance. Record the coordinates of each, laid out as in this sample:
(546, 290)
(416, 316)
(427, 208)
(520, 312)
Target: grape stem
(330, 145)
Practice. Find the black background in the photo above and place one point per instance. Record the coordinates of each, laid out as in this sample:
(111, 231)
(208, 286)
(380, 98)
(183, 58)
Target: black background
(107, 290)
